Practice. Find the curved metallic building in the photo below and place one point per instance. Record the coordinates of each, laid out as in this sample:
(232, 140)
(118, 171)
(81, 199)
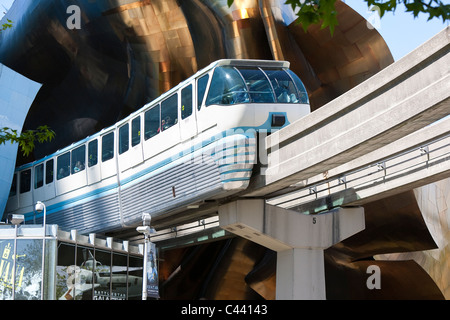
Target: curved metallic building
(128, 52)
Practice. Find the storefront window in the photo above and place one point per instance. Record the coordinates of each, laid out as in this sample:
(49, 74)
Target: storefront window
(73, 271)
(119, 277)
(28, 266)
(135, 265)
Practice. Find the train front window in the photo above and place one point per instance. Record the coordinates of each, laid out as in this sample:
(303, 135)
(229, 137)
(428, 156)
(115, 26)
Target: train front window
(303, 95)
(283, 86)
(258, 85)
(227, 87)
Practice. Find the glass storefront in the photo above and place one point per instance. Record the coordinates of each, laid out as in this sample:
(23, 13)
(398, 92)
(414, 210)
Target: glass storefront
(76, 267)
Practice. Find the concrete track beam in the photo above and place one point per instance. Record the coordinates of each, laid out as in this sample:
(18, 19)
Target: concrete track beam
(402, 98)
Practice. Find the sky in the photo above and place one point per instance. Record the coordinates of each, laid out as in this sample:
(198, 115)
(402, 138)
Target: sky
(401, 31)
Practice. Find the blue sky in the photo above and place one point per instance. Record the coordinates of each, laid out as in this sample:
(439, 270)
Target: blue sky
(401, 31)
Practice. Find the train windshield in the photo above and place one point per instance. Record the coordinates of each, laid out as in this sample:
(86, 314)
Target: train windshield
(233, 85)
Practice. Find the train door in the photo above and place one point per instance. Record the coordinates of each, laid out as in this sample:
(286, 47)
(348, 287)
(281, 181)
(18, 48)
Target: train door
(107, 164)
(188, 121)
(129, 144)
(44, 186)
(205, 120)
(25, 194)
(93, 167)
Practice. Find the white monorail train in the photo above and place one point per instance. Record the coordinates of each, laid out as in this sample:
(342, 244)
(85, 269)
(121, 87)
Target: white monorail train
(196, 142)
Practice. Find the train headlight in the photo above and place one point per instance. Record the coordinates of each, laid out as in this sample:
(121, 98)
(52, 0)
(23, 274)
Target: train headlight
(278, 120)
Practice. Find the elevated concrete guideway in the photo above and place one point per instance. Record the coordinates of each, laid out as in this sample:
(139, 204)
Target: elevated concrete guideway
(399, 100)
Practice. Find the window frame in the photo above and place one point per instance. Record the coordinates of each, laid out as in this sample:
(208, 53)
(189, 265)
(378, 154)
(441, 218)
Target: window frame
(108, 154)
(41, 184)
(124, 138)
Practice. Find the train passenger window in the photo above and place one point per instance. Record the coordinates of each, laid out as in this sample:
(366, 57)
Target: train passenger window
(93, 153)
(136, 131)
(258, 85)
(303, 95)
(25, 181)
(285, 90)
(49, 171)
(78, 159)
(186, 102)
(124, 138)
(227, 87)
(13, 190)
(201, 89)
(152, 122)
(169, 112)
(63, 166)
(39, 176)
(108, 147)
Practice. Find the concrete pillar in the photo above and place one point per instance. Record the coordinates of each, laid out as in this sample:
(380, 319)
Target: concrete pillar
(298, 239)
(300, 274)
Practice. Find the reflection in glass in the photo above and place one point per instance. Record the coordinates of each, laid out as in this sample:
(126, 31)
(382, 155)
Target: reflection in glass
(28, 272)
(135, 278)
(119, 278)
(102, 275)
(84, 273)
(65, 272)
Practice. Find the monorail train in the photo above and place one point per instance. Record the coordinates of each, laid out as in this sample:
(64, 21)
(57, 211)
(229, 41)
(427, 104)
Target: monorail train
(196, 142)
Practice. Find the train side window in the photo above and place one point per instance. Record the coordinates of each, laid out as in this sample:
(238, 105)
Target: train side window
(13, 190)
(201, 89)
(169, 112)
(136, 131)
(152, 122)
(186, 102)
(25, 181)
(93, 153)
(78, 159)
(124, 138)
(63, 166)
(108, 147)
(39, 176)
(49, 171)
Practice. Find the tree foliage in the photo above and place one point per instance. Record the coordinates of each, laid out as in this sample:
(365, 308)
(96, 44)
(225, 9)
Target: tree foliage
(6, 25)
(324, 12)
(26, 139)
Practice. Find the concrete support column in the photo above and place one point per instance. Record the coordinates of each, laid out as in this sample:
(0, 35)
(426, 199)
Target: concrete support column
(298, 239)
(300, 274)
